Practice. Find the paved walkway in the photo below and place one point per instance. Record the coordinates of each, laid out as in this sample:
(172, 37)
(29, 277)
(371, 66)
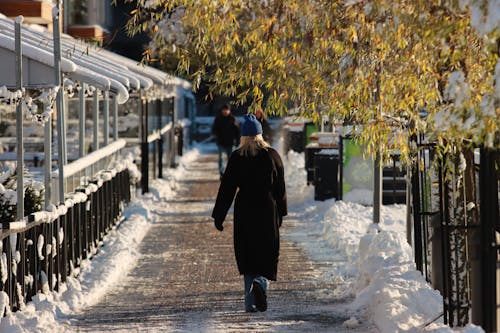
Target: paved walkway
(186, 279)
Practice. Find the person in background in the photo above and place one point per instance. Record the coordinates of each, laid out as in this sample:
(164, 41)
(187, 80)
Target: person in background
(266, 129)
(256, 171)
(227, 134)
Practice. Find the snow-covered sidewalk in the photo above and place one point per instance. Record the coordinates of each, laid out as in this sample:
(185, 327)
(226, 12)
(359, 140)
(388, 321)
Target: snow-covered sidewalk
(93, 279)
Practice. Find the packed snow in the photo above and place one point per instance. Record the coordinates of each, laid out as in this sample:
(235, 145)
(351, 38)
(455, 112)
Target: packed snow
(372, 263)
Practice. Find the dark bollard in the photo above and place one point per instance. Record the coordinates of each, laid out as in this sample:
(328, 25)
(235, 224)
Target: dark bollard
(145, 167)
(160, 157)
(180, 140)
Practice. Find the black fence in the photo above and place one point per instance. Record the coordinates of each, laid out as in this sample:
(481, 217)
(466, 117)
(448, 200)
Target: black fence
(161, 141)
(39, 256)
(455, 214)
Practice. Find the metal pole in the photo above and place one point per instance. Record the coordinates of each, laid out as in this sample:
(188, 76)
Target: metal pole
(409, 221)
(377, 167)
(486, 314)
(159, 104)
(47, 149)
(173, 147)
(377, 188)
(417, 225)
(114, 109)
(106, 117)
(59, 100)
(341, 168)
(81, 137)
(19, 121)
(95, 119)
(64, 123)
(144, 147)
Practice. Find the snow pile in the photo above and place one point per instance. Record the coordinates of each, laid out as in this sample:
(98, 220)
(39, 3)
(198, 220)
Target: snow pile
(90, 282)
(390, 287)
(296, 178)
(345, 223)
(165, 188)
(359, 195)
(373, 263)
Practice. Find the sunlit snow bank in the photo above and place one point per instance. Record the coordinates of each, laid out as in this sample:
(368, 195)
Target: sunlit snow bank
(91, 282)
(165, 188)
(374, 262)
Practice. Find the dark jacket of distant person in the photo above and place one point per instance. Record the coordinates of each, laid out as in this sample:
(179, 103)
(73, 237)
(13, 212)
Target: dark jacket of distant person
(226, 130)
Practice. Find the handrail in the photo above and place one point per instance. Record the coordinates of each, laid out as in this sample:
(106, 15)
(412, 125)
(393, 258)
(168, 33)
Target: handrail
(157, 134)
(153, 137)
(166, 128)
(72, 168)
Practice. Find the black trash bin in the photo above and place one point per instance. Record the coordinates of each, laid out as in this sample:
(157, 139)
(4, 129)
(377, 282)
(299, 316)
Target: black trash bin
(394, 183)
(296, 140)
(311, 150)
(326, 174)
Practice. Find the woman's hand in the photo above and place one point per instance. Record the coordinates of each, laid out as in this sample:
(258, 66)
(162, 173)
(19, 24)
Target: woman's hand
(218, 225)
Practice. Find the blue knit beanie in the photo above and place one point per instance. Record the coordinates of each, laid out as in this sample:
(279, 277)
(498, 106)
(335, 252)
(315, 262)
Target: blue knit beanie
(251, 126)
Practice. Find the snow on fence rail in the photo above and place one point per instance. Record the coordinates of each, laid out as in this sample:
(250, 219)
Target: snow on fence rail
(87, 166)
(38, 256)
(92, 158)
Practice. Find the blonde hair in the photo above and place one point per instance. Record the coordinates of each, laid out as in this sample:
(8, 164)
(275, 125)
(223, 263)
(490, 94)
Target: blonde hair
(249, 145)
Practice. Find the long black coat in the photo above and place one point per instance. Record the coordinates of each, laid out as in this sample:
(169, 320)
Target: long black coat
(258, 209)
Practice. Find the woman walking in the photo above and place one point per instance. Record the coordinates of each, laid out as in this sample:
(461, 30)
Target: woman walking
(255, 170)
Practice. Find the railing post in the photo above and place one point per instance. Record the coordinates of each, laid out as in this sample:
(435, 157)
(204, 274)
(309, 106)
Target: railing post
(485, 314)
(159, 103)
(59, 102)
(8, 287)
(341, 168)
(173, 148)
(33, 261)
(21, 265)
(56, 259)
(47, 166)
(114, 109)
(144, 148)
(19, 121)
(160, 157)
(145, 166)
(417, 225)
(95, 119)
(81, 125)
(106, 117)
(377, 187)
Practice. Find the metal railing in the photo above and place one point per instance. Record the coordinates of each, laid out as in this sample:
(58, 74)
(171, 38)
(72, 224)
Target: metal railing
(158, 149)
(76, 172)
(455, 210)
(40, 255)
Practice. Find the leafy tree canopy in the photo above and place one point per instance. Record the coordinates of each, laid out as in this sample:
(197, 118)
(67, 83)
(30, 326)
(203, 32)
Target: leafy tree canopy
(380, 65)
